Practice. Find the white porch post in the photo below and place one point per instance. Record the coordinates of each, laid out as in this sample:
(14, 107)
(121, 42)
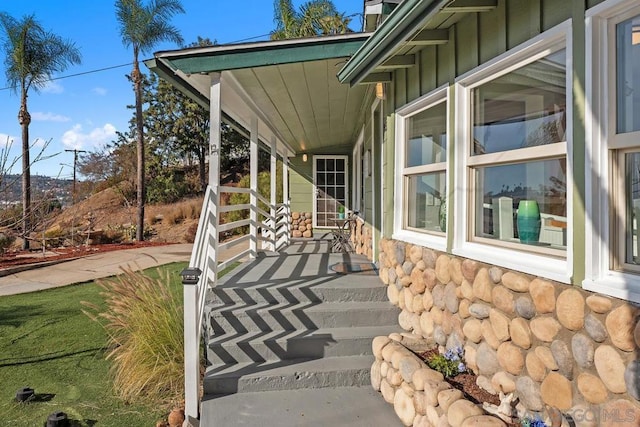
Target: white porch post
(272, 187)
(215, 144)
(253, 171)
(192, 293)
(285, 195)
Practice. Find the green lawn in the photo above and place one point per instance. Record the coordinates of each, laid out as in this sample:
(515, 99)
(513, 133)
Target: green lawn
(48, 344)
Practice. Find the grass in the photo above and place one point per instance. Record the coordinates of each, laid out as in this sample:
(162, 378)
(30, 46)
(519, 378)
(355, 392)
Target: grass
(48, 344)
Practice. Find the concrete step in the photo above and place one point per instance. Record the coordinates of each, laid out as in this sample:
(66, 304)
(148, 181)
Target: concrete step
(332, 291)
(290, 317)
(283, 345)
(344, 407)
(347, 371)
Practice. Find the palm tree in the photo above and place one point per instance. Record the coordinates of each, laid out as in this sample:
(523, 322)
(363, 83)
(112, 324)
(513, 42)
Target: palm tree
(141, 28)
(32, 56)
(315, 18)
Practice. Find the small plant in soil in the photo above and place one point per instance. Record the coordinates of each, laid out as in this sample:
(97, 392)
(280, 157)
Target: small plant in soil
(464, 381)
(449, 364)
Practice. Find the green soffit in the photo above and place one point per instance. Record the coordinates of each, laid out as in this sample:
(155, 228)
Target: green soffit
(406, 19)
(261, 54)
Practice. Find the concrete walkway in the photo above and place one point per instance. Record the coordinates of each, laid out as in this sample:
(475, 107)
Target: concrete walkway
(98, 266)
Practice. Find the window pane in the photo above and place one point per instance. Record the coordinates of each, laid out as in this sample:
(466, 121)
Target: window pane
(541, 220)
(425, 194)
(632, 193)
(426, 136)
(320, 165)
(524, 108)
(628, 75)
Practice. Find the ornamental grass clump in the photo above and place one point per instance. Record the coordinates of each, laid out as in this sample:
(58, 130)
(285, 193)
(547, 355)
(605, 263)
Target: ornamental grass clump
(449, 364)
(144, 323)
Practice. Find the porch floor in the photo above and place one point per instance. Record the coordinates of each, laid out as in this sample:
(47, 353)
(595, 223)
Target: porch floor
(291, 341)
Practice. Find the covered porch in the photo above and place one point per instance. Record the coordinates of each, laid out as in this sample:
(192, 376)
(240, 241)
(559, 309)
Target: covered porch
(287, 99)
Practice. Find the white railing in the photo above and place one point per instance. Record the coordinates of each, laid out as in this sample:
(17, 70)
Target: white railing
(205, 256)
(275, 228)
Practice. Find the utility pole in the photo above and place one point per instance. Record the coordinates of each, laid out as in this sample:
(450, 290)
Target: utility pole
(73, 194)
(75, 160)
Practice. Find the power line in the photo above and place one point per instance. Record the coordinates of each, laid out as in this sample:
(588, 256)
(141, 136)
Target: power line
(82, 73)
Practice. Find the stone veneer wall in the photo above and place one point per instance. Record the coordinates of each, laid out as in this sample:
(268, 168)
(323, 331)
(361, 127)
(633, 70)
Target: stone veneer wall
(420, 396)
(362, 239)
(554, 345)
(301, 224)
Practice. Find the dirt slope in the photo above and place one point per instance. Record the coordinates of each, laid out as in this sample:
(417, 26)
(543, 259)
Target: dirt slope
(108, 209)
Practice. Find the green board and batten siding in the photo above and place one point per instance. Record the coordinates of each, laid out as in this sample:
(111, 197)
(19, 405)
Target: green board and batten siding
(301, 184)
(478, 38)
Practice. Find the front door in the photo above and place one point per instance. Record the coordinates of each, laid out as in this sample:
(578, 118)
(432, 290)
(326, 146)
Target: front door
(330, 182)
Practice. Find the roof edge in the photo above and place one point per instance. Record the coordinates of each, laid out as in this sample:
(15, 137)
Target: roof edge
(403, 21)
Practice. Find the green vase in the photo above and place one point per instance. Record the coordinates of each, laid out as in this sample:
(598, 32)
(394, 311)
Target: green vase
(528, 221)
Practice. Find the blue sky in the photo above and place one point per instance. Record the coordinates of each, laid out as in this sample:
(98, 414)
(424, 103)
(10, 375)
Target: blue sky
(84, 111)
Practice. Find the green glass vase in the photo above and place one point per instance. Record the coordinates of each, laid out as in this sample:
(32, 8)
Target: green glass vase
(528, 221)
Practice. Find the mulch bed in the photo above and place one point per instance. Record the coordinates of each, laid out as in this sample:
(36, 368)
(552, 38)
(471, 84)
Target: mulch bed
(466, 383)
(17, 258)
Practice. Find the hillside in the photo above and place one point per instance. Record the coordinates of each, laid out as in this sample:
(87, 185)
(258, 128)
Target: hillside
(108, 210)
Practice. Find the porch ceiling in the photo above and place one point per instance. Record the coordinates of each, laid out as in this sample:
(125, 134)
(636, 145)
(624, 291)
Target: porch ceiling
(290, 85)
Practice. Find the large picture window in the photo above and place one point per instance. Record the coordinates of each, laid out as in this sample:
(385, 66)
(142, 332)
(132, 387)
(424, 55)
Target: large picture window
(512, 202)
(518, 157)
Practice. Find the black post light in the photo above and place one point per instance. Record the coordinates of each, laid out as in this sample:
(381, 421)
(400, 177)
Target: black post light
(24, 394)
(58, 419)
(190, 275)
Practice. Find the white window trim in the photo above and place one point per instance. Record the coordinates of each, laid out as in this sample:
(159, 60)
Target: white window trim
(599, 277)
(433, 241)
(315, 187)
(558, 269)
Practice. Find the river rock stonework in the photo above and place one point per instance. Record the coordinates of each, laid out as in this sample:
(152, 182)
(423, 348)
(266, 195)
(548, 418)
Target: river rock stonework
(520, 333)
(301, 224)
(362, 239)
(420, 396)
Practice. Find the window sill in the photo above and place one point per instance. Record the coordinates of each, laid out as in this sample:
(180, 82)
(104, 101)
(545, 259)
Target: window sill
(538, 265)
(615, 284)
(431, 241)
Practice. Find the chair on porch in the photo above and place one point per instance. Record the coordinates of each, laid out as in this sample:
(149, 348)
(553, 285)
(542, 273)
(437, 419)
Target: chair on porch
(341, 235)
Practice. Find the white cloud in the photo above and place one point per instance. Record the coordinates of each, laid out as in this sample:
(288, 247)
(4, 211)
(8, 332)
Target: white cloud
(99, 91)
(49, 117)
(7, 139)
(53, 87)
(76, 139)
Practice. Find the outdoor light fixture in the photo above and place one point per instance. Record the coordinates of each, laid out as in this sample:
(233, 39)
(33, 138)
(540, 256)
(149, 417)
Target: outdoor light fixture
(190, 275)
(24, 394)
(380, 90)
(304, 158)
(58, 419)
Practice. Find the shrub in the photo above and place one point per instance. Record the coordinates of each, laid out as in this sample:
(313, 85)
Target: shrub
(190, 234)
(54, 237)
(144, 322)
(7, 238)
